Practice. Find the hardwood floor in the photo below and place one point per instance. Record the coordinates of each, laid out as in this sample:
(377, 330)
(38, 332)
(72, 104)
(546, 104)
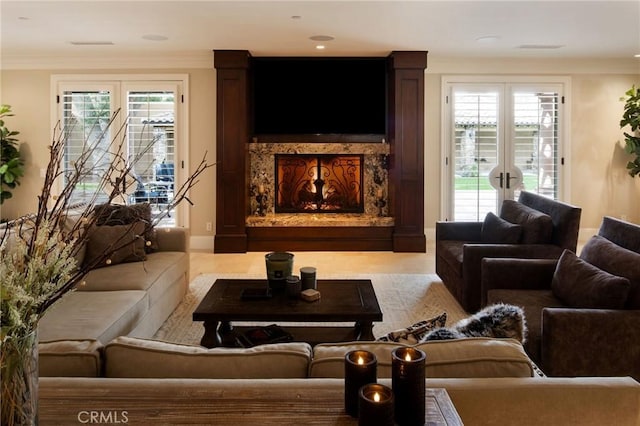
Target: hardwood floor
(326, 262)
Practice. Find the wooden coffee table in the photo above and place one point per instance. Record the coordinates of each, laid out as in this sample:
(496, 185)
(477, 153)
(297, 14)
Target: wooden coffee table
(342, 301)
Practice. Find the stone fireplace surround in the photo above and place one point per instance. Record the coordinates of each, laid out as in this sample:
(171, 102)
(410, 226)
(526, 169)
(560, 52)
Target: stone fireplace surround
(262, 175)
(244, 163)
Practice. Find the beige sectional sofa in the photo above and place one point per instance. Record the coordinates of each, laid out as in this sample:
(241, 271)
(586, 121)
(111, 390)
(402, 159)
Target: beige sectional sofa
(96, 357)
(490, 381)
(127, 299)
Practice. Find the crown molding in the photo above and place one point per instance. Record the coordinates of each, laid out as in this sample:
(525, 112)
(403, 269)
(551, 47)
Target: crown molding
(471, 65)
(137, 61)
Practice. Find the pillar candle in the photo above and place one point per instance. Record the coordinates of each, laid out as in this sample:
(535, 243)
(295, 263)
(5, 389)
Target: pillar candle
(360, 368)
(375, 405)
(407, 380)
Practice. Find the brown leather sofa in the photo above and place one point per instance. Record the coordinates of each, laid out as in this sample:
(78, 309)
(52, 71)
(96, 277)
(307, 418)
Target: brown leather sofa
(582, 334)
(461, 246)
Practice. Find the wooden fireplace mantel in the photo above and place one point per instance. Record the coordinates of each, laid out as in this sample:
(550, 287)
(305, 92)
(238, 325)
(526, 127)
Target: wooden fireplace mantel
(406, 174)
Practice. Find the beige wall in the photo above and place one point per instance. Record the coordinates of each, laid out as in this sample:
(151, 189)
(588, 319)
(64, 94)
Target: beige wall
(28, 92)
(596, 160)
(600, 184)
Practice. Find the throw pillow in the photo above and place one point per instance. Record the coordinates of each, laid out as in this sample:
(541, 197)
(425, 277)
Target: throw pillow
(579, 284)
(416, 332)
(117, 214)
(496, 230)
(125, 242)
(496, 321)
(616, 260)
(537, 227)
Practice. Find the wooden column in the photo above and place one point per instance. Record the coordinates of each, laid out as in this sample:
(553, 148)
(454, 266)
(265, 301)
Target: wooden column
(406, 132)
(232, 127)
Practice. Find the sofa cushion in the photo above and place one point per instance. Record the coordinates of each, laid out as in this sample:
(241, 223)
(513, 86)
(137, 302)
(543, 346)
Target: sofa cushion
(99, 315)
(537, 227)
(70, 358)
(616, 260)
(532, 302)
(415, 332)
(123, 241)
(154, 275)
(496, 230)
(470, 357)
(117, 214)
(452, 252)
(132, 357)
(579, 284)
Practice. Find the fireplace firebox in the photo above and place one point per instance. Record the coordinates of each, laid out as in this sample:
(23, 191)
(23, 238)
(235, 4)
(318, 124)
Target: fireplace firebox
(319, 183)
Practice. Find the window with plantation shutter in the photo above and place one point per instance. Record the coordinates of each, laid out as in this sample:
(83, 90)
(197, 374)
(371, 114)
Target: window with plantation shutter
(499, 139)
(85, 117)
(148, 126)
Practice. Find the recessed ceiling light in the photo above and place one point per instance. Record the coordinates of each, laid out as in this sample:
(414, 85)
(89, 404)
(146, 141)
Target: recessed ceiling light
(23, 18)
(321, 38)
(636, 55)
(155, 37)
(92, 43)
(296, 17)
(320, 47)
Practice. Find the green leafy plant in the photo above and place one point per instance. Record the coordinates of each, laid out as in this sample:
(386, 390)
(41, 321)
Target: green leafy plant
(11, 165)
(631, 117)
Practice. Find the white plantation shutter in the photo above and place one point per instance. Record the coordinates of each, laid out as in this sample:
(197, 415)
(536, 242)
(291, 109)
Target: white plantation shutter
(151, 118)
(476, 152)
(501, 138)
(150, 110)
(535, 137)
(85, 115)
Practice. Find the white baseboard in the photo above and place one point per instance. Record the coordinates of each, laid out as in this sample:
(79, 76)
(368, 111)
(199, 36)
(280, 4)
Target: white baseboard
(430, 234)
(201, 243)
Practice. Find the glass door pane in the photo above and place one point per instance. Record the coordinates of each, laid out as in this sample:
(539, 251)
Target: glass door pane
(535, 140)
(151, 138)
(85, 119)
(476, 153)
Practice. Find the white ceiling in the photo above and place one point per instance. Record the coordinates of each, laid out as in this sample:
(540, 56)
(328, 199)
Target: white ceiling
(578, 29)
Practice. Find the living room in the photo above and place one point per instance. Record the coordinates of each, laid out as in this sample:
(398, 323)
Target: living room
(467, 42)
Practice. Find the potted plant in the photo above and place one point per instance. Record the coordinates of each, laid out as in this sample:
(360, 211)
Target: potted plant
(11, 166)
(631, 117)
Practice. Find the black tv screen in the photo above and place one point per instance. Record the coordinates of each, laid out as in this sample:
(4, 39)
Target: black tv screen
(319, 96)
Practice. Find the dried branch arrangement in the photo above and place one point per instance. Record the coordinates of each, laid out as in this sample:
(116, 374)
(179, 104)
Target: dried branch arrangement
(39, 251)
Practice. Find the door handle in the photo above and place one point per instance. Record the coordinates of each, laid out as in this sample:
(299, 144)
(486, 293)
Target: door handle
(501, 177)
(509, 177)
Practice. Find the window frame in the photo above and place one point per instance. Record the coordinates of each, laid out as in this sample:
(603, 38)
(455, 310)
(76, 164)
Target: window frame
(120, 83)
(509, 82)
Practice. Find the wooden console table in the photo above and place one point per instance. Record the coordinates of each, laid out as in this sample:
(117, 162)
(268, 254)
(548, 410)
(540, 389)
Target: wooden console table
(212, 402)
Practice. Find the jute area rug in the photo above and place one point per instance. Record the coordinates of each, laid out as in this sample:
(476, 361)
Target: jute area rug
(404, 299)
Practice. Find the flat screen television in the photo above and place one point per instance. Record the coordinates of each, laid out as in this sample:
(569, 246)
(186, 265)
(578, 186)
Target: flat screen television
(295, 96)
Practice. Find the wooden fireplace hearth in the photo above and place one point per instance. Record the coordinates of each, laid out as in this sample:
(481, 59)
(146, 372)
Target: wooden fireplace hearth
(401, 229)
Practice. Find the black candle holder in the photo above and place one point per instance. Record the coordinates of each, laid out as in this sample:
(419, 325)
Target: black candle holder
(407, 380)
(375, 405)
(360, 368)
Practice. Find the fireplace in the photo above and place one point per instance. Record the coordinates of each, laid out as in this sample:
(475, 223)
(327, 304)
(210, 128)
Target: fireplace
(319, 183)
(392, 187)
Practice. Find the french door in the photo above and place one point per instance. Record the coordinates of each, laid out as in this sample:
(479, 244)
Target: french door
(500, 139)
(148, 127)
